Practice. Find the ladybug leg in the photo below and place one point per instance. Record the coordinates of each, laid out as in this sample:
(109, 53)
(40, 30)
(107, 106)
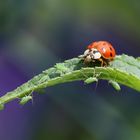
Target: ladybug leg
(102, 62)
(106, 63)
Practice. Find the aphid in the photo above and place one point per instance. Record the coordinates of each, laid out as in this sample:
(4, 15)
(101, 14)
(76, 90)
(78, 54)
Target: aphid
(1, 106)
(101, 51)
(25, 99)
(91, 80)
(115, 85)
(61, 68)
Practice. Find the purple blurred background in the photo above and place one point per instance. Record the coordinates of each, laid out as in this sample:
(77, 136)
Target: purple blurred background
(34, 35)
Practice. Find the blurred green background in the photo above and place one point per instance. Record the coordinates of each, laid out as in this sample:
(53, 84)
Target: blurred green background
(36, 34)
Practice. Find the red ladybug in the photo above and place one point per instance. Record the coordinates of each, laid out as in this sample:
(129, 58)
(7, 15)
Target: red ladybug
(101, 51)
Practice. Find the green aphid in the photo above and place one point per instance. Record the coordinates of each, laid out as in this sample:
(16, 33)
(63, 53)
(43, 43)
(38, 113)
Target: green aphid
(91, 80)
(61, 67)
(1, 106)
(25, 99)
(115, 85)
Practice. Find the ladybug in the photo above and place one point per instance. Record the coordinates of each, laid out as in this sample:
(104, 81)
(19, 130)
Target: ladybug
(101, 51)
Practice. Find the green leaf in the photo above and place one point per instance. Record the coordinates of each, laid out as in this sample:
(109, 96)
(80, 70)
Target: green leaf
(123, 70)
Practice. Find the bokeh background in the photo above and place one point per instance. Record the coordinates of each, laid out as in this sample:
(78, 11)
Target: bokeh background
(36, 34)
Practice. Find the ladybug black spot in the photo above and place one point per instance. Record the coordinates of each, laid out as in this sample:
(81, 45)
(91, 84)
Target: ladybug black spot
(111, 54)
(110, 48)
